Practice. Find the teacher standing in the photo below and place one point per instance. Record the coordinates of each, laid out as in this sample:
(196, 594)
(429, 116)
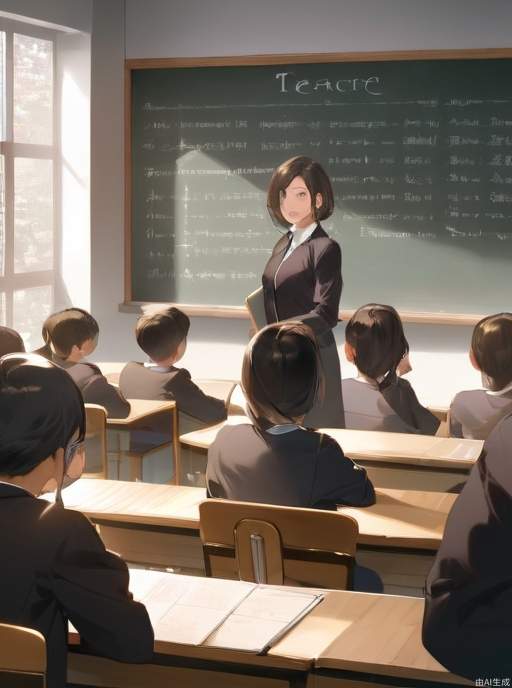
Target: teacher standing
(302, 279)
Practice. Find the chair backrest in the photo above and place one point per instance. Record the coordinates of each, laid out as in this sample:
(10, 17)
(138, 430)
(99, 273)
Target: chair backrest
(277, 544)
(22, 657)
(96, 462)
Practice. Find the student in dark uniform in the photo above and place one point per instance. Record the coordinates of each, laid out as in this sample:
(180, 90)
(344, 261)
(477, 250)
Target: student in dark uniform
(378, 399)
(162, 335)
(71, 335)
(54, 565)
(302, 279)
(474, 413)
(468, 601)
(10, 341)
(274, 459)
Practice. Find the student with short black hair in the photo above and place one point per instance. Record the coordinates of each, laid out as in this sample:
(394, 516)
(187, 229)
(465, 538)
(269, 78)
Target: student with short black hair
(274, 459)
(162, 335)
(10, 341)
(378, 399)
(54, 566)
(71, 335)
(474, 413)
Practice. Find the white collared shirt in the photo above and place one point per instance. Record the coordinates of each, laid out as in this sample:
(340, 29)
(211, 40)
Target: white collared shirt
(156, 368)
(282, 429)
(499, 392)
(299, 236)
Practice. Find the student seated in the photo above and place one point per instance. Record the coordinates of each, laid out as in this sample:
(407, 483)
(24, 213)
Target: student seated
(162, 335)
(69, 336)
(468, 601)
(54, 565)
(378, 399)
(474, 413)
(273, 459)
(10, 341)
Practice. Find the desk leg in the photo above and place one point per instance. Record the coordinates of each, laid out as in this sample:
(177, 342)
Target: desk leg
(136, 467)
(176, 479)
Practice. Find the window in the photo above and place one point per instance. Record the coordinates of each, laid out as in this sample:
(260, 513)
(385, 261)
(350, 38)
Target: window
(28, 155)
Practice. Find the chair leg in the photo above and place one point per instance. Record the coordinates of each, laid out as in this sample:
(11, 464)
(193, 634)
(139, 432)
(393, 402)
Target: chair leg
(136, 467)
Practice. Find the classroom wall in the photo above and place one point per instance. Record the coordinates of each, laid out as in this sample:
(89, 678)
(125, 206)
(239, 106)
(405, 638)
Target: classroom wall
(170, 28)
(70, 14)
(167, 28)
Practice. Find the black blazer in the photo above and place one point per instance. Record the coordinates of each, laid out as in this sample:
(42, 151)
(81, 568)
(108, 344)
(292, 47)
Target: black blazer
(300, 468)
(55, 568)
(394, 409)
(474, 413)
(308, 284)
(468, 603)
(94, 386)
(175, 384)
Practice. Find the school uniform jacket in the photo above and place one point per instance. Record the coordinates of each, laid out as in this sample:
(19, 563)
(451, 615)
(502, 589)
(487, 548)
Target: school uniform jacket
(307, 285)
(94, 386)
(468, 605)
(299, 468)
(474, 413)
(55, 568)
(174, 384)
(394, 409)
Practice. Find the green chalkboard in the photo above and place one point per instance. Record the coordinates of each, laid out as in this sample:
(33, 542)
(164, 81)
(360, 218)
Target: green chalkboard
(419, 152)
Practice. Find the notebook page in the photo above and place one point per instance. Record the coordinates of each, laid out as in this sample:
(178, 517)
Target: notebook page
(262, 618)
(201, 606)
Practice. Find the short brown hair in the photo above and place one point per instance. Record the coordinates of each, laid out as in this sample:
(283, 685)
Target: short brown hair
(160, 333)
(376, 334)
(65, 329)
(315, 179)
(491, 345)
(282, 373)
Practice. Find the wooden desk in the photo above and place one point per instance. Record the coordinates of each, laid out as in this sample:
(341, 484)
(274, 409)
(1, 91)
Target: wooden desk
(159, 525)
(393, 460)
(399, 536)
(187, 666)
(348, 632)
(154, 525)
(144, 414)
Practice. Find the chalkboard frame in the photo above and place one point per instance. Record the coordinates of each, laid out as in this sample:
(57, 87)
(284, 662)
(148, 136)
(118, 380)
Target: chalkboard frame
(240, 312)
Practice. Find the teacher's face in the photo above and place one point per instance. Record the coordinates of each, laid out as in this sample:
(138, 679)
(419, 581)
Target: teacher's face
(296, 203)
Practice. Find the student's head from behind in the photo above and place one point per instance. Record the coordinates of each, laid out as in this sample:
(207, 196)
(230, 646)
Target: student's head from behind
(42, 423)
(70, 334)
(491, 350)
(375, 341)
(282, 374)
(300, 193)
(10, 341)
(162, 335)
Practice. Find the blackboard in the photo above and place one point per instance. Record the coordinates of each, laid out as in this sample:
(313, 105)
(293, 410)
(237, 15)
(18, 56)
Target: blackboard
(419, 152)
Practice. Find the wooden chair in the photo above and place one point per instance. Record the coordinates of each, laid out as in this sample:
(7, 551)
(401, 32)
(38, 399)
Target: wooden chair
(144, 439)
(96, 462)
(22, 657)
(278, 545)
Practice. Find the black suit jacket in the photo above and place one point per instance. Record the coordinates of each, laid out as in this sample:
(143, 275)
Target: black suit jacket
(307, 285)
(468, 601)
(54, 568)
(94, 386)
(175, 384)
(299, 468)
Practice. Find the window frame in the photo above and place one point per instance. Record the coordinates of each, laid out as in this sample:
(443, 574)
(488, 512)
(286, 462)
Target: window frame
(11, 281)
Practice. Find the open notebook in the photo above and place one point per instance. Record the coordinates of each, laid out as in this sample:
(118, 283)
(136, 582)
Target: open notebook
(221, 613)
